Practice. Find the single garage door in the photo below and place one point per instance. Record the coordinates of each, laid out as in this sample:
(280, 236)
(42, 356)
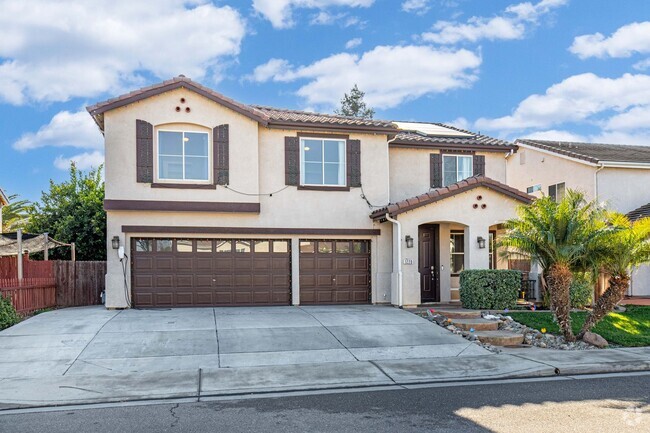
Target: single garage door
(334, 272)
(210, 272)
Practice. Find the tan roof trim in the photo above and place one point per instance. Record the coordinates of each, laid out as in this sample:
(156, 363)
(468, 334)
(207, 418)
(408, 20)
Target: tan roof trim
(322, 127)
(3, 198)
(450, 191)
(442, 145)
(97, 110)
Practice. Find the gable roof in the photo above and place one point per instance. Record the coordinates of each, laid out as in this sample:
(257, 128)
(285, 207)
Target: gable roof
(267, 116)
(638, 213)
(593, 152)
(441, 136)
(450, 191)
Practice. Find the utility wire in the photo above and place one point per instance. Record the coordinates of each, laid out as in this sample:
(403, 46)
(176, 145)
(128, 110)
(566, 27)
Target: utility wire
(370, 205)
(270, 194)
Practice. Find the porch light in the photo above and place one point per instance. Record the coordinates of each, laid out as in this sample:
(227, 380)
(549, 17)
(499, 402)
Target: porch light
(115, 242)
(409, 241)
(481, 242)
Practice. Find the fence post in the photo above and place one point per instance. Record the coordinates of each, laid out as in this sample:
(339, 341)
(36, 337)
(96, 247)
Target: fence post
(46, 251)
(19, 261)
(73, 252)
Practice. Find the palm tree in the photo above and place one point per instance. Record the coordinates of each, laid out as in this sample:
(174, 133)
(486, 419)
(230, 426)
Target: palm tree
(560, 236)
(620, 251)
(15, 214)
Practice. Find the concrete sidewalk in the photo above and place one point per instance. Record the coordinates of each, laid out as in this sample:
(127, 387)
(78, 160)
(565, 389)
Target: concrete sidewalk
(91, 355)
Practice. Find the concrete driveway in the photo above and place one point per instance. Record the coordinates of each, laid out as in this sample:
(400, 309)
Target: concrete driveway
(91, 340)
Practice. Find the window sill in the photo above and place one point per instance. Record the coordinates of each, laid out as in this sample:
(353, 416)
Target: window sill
(184, 185)
(324, 188)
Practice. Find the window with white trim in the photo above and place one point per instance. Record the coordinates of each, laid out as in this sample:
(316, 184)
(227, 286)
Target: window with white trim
(322, 162)
(556, 192)
(183, 156)
(456, 168)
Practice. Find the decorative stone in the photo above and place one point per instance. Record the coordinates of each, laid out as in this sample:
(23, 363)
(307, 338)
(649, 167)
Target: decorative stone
(595, 340)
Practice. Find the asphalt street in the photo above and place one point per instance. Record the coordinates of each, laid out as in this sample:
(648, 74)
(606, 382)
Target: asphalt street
(615, 403)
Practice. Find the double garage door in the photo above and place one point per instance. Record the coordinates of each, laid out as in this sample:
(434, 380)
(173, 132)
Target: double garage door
(231, 272)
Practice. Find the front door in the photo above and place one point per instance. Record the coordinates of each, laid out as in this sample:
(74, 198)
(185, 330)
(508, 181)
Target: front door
(429, 262)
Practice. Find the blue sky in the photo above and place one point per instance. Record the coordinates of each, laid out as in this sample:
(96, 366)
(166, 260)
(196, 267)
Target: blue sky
(564, 69)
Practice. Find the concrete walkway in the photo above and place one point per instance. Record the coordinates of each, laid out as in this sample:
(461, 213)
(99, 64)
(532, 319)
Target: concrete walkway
(87, 355)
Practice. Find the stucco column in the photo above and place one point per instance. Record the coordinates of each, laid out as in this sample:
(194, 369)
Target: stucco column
(475, 257)
(295, 271)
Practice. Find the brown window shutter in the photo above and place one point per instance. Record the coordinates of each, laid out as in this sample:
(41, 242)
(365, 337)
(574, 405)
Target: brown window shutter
(436, 170)
(479, 165)
(353, 161)
(144, 151)
(220, 154)
(291, 160)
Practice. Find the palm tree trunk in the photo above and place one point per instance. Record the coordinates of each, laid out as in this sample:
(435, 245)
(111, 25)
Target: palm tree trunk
(559, 279)
(618, 285)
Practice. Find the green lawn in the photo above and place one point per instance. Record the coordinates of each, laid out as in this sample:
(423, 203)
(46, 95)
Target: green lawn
(631, 328)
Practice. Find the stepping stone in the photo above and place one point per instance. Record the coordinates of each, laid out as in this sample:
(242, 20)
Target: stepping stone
(459, 313)
(500, 338)
(477, 324)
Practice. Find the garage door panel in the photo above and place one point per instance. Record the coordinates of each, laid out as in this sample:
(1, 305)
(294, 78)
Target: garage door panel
(334, 272)
(220, 272)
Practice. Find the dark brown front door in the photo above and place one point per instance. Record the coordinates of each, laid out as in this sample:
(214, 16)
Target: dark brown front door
(334, 272)
(429, 262)
(210, 272)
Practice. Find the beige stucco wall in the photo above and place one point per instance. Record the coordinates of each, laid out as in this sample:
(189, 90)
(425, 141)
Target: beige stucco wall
(410, 172)
(548, 169)
(256, 166)
(453, 211)
(624, 189)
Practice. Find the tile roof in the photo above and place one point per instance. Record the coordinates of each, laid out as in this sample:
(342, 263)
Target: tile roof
(450, 191)
(638, 213)
(469, 140)
(593, 152)
(297, 116)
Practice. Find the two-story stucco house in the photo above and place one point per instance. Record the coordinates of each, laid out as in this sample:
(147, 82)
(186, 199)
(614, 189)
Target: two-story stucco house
(215, 202)
(612, 174)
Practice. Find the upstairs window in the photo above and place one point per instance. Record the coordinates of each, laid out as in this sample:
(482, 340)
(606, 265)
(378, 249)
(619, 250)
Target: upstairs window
(456, 168)
(322, 162)
(556, 192)
(183, 156)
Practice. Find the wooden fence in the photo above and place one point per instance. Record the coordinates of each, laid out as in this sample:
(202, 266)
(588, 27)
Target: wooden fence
(79, 283)
(48, 284)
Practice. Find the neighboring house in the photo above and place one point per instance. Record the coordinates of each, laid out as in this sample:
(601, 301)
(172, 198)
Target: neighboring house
(613, 174)
(4, 201)
(216, 202)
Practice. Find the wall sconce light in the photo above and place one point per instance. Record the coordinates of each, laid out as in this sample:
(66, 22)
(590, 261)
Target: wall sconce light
(481, 242)
(409, 241)
(115, 242)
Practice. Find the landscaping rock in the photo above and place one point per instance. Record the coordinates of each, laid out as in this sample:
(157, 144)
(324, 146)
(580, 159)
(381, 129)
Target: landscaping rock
(595, 340)
(620, 309)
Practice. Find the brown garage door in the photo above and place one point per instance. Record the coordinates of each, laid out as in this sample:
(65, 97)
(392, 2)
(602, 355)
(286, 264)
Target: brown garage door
(334, 272)
(210, 272)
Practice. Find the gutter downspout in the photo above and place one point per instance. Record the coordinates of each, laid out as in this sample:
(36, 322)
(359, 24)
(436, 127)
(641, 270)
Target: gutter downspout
(505, 175)
(596, 180)
(399, 258)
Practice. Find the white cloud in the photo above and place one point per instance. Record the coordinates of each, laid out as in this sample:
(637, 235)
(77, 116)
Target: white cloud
(643, 65)
(627, 40)
(83, 161)
(460, 122)
(416, 6)
(54, 51)
(557, 135)
(578, 98)
(429, 71)
(280, 12)
(637, 117)
(511, 24)
(66, 129)
(353, 43)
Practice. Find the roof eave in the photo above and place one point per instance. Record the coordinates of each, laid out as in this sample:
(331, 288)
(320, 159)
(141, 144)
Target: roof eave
(458, 146)
(317, 126)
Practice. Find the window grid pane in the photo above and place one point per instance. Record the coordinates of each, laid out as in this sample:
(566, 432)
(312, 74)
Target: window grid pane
(323, 162)
(183, 155)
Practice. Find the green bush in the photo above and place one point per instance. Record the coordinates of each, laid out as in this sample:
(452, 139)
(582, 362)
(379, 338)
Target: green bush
(581, 290)
(493, 289)
(8, 315)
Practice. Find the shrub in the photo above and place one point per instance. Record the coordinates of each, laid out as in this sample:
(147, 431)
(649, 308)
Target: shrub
(8, 315)
(495, 289)
(581, 290)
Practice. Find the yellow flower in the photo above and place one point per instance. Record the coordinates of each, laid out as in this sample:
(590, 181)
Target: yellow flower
(543, 330)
